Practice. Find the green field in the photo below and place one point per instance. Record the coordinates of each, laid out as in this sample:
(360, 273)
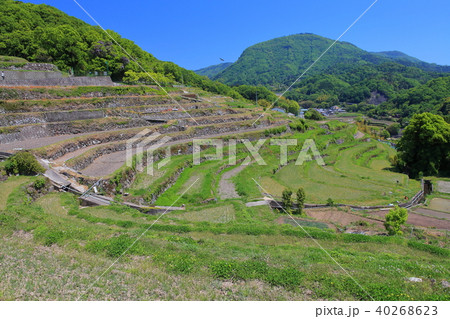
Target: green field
(222, 251)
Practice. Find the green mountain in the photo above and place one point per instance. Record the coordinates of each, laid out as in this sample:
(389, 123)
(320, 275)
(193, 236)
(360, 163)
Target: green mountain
(213, 70)
(402, 58)
(41, 33)
(278, 62)
(432, 96)
(397, 56)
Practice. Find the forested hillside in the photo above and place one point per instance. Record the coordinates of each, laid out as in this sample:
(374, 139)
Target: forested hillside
(213, 70)
(278, 62)
(345, 74)
(41, 33)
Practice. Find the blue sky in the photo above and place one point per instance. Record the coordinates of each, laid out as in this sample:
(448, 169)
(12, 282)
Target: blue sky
(196, 33)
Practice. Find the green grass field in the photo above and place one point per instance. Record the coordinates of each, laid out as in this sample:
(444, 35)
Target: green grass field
(225, 251)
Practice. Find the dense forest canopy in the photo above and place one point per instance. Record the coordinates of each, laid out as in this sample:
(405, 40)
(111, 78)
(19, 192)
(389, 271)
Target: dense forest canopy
(424, 148)
(41, 33)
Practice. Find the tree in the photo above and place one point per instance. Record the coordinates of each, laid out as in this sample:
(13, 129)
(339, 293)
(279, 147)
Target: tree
(301, 196)
(23, 163)
(425, 146)
(330, 202)
(393, 129)
(313, 114)
(395, 219)
(286, 199)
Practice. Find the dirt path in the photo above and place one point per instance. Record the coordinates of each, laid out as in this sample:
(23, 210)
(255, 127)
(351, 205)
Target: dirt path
(226, 186)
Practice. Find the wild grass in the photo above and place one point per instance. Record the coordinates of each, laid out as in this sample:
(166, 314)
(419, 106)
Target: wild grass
(49, 253)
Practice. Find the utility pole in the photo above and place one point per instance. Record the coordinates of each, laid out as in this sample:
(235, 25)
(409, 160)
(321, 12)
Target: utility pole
(256, 98)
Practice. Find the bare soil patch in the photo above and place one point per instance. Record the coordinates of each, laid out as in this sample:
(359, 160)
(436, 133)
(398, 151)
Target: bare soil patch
(358, 135)
(105, 164)
(420, 220)
(334, 216)
(432, 213)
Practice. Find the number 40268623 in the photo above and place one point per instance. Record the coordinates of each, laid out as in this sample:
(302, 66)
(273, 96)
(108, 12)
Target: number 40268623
(407, 310)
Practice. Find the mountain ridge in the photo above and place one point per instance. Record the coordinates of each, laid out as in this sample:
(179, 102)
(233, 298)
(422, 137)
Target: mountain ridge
(281, 60)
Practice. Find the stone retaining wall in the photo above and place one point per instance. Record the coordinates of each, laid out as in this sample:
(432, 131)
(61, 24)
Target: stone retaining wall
(34, 118)
(70, 81)
(31, 67)
(29, 76)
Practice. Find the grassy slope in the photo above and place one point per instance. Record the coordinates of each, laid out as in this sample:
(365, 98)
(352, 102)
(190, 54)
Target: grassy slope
(54, 250)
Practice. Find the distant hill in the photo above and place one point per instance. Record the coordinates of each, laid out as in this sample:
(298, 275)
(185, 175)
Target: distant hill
(280, 61)
(41, 33)
(398, 56)
(213, 70)
(408, 60)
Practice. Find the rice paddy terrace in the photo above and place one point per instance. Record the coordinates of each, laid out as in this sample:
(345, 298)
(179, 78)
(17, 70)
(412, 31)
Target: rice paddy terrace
(90, 125)
(224, 242)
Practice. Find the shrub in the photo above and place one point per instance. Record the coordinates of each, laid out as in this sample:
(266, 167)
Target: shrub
(115, 246)
(313, 114)
(49, 236)
(223, 269)
(395, 219)
(251, 269)
(275, 130)
(118, 245)
(285, 277)
(393, 129)
(299, 125)
(330, 202)
(23, 163)
(301, 196)
(176, 263)
(40, 183)
(286, 199)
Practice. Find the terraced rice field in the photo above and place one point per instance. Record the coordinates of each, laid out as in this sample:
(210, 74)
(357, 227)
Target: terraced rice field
(355, 173)
(86, 129)
(216, 248)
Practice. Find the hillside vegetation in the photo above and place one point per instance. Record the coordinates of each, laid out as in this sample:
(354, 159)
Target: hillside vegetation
(280, 61)
(41, 33)
(394, 81)
(213, 70)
